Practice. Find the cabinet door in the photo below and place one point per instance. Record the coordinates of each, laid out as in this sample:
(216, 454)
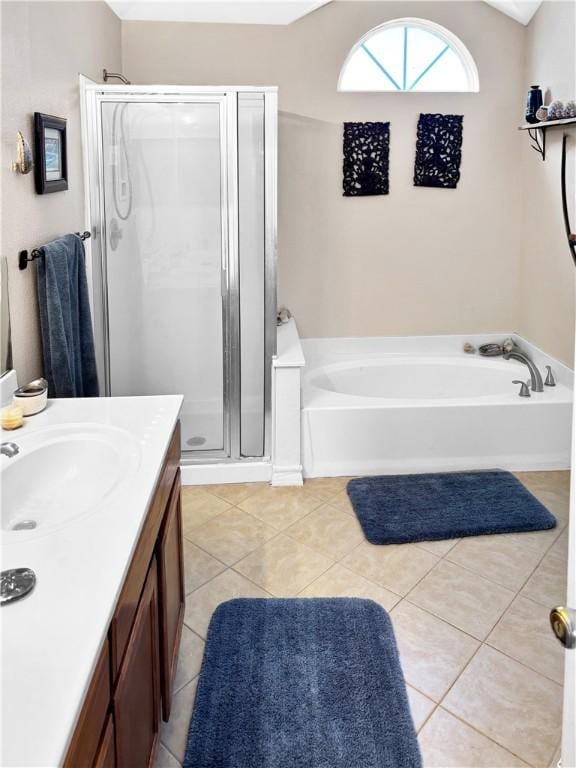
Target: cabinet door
(106, 757)
(137, 695)
(88, 733)
(170, 558)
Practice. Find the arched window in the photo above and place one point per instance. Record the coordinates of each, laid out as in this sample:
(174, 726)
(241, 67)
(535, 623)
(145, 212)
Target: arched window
(409, 55)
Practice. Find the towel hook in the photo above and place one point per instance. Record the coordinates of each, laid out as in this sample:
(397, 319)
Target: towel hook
(24, 259)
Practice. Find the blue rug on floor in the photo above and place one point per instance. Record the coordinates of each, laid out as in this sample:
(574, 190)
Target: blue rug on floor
(397, 509)
(301, 683)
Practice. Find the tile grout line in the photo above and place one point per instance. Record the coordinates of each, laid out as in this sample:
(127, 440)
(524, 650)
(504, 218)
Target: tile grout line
(462, 719)
(233, 568)
(277, 532)
(177, 690)
(427, 718)
(166, 747)
(486, 736)
(269, 593)
(389, 589)
(441, 703)
(245, 554)
(282, 530)
(206, 553)
(499, 584)
(169, 752)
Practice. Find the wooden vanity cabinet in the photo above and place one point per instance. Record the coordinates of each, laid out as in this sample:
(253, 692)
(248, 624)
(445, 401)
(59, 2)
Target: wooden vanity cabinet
(119, 723)
(170, 556)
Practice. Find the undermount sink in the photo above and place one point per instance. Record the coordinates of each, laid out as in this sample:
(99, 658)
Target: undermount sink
(62, 473)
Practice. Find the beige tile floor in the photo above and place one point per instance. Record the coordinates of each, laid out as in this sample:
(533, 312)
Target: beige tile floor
(483, 671)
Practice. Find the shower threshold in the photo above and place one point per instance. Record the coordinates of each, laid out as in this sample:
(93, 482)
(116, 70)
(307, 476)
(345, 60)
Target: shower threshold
(220, 471)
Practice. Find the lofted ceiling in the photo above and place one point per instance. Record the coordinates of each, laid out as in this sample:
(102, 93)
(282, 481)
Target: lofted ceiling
(521, 10)
(262, 11)
(216, 11)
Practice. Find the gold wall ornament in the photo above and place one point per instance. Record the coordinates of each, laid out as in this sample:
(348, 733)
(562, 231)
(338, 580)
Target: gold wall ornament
(23, 162)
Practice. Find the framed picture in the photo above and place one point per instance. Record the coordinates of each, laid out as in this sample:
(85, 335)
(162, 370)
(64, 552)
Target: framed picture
(51, 166)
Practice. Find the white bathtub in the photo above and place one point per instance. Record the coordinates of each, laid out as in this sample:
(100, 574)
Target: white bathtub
(420, 404)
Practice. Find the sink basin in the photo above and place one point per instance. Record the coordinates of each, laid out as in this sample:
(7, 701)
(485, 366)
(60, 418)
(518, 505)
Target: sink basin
(62, 473)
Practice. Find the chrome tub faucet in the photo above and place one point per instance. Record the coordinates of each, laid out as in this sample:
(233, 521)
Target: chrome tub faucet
(510, 350)
(536, 384)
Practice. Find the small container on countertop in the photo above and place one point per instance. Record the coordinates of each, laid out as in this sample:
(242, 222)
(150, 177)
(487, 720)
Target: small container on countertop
(12, 417)
(32, 397)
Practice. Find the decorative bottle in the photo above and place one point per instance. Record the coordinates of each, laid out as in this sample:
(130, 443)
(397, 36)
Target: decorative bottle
(533, 103)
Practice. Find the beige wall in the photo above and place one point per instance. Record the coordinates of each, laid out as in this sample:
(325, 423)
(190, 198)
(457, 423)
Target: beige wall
(546, 306)
(45, 46)
(416, 261)
(488, 256)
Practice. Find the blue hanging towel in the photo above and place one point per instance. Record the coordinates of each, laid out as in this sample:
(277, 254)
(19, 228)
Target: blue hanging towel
(65, 321)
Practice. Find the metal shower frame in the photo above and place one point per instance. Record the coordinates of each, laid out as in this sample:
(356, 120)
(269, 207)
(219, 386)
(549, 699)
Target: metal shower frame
(92, 96)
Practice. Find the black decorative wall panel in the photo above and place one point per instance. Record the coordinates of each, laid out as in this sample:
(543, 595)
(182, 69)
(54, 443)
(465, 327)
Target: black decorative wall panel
(366, 152)
(438, 151)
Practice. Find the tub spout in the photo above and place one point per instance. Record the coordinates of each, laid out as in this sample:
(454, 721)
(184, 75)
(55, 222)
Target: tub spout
(516, 353)
(509, 349)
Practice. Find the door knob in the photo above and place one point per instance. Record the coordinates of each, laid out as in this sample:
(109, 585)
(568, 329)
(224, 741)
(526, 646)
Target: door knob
(563, 623)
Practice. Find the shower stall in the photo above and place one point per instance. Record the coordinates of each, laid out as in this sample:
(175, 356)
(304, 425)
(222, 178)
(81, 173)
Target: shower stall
(182, 204)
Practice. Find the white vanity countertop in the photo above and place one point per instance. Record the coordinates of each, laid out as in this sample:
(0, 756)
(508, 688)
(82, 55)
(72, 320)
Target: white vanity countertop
(51, 639)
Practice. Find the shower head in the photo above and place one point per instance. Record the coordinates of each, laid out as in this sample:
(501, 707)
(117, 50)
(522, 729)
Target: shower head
(107, 75)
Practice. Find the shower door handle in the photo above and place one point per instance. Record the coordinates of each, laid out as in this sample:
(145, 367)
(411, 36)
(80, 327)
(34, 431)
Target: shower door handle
(115, 234)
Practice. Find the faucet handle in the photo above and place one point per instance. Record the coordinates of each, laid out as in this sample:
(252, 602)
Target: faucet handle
(524, 388)
(550, 380)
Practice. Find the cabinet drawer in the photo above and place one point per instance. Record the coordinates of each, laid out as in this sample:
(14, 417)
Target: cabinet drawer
(130, 596)
(84, 746)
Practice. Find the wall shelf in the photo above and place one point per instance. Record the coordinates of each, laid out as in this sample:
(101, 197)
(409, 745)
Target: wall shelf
(537, 132)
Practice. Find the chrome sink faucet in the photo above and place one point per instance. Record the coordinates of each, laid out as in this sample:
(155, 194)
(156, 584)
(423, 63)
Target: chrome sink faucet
(510, 350)
(9, 449)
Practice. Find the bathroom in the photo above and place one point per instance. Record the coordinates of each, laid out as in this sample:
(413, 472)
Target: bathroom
(279, 355)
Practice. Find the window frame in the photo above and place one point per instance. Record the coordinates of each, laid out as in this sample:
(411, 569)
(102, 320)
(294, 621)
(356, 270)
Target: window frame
(428, 26)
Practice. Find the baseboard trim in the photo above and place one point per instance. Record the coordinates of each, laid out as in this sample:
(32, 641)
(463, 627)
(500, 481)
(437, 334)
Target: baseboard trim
(287, 475)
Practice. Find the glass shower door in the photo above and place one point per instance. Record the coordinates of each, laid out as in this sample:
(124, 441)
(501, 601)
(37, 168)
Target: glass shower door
(165, 257)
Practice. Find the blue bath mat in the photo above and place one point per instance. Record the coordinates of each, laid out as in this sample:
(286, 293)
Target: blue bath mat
(301, 683)
(397, 509)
